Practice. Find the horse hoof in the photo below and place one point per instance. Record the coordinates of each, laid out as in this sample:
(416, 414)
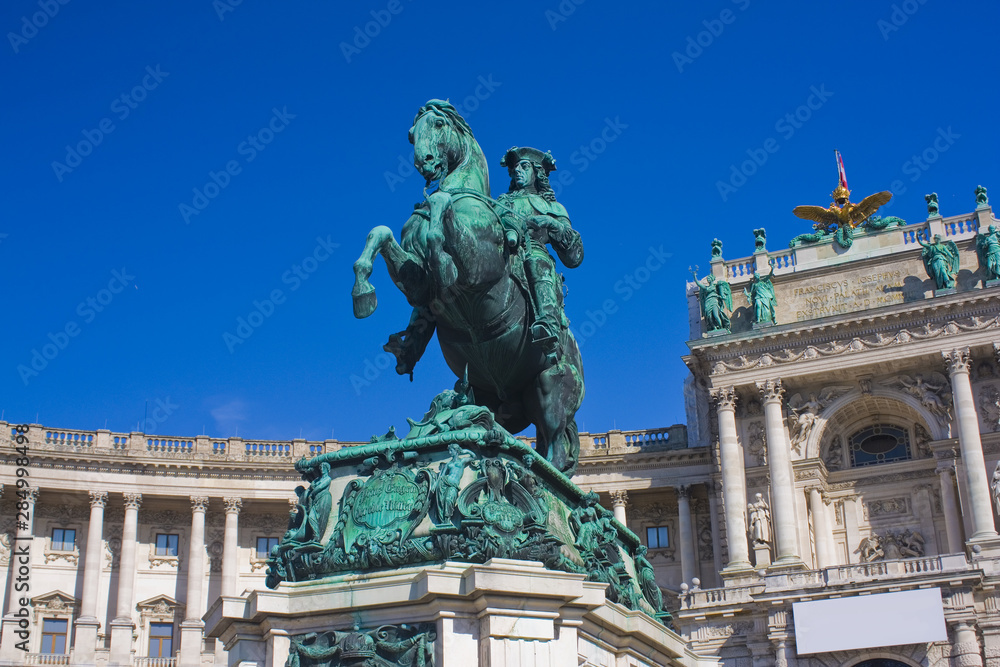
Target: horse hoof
(365, 302)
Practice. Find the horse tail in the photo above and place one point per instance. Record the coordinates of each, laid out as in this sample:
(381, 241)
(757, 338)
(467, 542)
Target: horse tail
(572, 444)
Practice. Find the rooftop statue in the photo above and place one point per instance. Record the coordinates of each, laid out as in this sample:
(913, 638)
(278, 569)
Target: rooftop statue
(474, 269)
(988, 251)
(716, 297)
(940, 261)
(842, 216)
(760, 294)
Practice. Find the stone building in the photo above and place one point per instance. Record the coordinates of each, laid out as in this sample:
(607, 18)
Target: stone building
(835, 464)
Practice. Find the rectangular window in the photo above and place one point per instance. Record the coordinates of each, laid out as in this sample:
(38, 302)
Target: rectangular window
(264, 546)
(54, 632)
(166, 544)
(161, 640)
(657, 538)
(63, 539)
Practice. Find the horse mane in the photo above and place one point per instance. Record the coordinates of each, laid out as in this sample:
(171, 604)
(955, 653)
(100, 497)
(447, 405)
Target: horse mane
(445, 109)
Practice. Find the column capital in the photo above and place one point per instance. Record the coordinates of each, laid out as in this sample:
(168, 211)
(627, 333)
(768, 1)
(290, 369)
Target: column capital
(770, 390)
(683, 491)
(98, 499)
(233, 504)
(724, 397)
(996, 351)
(619, 497)
(199, 503)
(28, 494)
(133, 501)
(957, 360)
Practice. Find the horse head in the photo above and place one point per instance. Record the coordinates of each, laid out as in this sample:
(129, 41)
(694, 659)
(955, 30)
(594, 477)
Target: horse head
(443, 147)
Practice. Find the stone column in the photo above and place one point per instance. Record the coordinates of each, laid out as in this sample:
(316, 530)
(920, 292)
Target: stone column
(734, 494)
(949, 504)
(192, 628)
(122, 625)
(713, 510)
(230, 546)
(965, 651)
(86, 627)
(779, 463)
(20, 572)
(971, 445)
(685, 544)
(822, 528)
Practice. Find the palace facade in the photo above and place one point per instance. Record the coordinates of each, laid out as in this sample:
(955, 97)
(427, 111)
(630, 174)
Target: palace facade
(835, 464)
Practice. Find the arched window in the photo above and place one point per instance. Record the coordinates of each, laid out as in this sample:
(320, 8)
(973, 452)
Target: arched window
(881, 662)
(879, 443)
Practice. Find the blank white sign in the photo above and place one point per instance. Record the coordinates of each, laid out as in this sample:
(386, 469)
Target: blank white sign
(869, 621)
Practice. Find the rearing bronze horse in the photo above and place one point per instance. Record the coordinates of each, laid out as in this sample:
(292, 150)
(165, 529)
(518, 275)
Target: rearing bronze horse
(454, 267)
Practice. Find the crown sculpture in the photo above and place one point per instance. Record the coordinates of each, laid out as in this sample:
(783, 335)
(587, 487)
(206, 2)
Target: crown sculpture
(842, 217)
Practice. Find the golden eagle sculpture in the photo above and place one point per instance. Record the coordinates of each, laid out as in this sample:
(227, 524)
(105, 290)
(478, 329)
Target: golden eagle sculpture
(842, 216)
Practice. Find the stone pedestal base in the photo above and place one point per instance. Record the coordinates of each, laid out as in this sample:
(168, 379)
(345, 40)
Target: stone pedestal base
(191, 644)
(946, 291)
(992, 283)
(503, 613)
(85, 641)
(10, 654)
(761, 555)
(121, 642)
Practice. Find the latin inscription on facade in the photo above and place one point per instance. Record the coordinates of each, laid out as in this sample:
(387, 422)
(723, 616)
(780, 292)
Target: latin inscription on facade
(848, 294)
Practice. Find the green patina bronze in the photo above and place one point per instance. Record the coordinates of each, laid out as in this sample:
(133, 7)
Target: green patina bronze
(988, 252)
(477, 270)
(843, 235)
(941, 261)
(716, 297)
(760, 294)
(458, 487)
(385, 646)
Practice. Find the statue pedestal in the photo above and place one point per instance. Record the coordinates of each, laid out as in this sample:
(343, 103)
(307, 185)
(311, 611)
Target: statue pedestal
(503, 613)
(992, 283)
(762, 555)
(946, 291)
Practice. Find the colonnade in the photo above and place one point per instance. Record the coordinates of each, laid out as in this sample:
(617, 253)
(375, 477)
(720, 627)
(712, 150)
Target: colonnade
(782, 482)
(122, 627)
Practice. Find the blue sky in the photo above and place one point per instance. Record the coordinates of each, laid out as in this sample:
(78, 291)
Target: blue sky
(121, 118)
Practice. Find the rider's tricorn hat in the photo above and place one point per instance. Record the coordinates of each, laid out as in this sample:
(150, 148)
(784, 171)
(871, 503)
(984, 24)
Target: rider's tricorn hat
(515, 155)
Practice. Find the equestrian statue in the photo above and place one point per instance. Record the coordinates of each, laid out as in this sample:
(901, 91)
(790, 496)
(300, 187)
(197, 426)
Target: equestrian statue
(477, 271)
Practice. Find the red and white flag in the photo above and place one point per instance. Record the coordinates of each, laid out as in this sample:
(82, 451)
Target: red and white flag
(840, 171)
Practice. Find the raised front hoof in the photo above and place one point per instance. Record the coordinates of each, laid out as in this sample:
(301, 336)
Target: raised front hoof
(365, 301)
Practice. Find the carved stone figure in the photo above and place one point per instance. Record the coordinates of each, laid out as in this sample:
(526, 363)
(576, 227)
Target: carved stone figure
(870, 549)
(716, 297)
(932, 205)
(760, 293)
(532, 217)
(760, 520)
(981, 198)
(995, 485)
(928, 392)
(804, 413)
(988, 252)
(911, 544)
(834, 458)
(941, 261)
(5, 546)
(455, 266)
